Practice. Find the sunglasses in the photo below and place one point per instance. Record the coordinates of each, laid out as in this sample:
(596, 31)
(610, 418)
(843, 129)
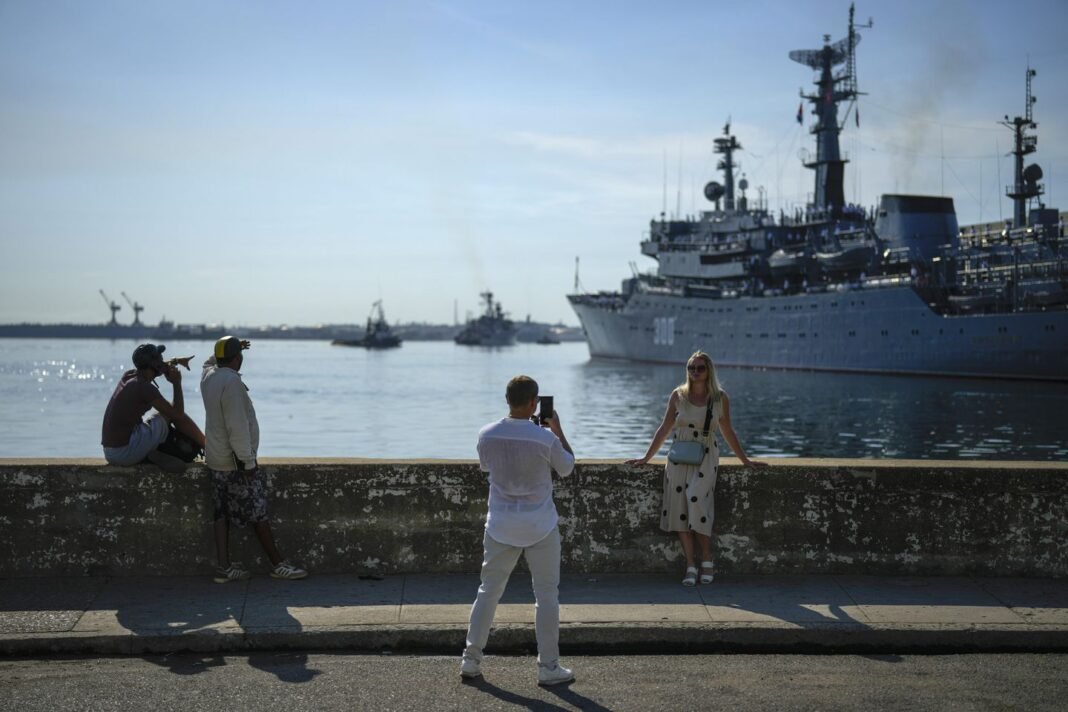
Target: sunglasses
(698, 368)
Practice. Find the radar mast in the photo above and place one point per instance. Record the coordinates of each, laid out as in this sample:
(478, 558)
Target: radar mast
(1025, 180)
(828, 163)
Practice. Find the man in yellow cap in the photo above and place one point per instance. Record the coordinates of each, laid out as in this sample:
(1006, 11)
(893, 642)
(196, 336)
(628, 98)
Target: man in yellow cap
(232, 437)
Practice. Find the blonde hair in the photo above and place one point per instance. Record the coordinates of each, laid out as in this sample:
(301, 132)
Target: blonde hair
(714, 389)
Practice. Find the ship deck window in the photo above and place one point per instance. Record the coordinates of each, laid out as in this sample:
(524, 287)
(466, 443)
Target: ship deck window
(915, 332)
(834, 304)
(802, 334)
(852, 333)
(782, 336)
(884, 332)
(763, 336)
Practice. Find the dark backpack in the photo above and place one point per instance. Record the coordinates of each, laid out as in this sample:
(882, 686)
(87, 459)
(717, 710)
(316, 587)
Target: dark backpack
(180, 445)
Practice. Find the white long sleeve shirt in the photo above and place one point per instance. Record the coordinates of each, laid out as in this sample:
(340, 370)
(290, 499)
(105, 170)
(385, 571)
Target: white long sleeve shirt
(519, 457)
(231, 431)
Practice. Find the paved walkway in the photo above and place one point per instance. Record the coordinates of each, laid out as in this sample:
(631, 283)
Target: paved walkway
(599, 613)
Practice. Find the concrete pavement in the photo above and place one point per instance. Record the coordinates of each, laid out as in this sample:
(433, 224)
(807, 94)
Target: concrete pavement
(615, 613)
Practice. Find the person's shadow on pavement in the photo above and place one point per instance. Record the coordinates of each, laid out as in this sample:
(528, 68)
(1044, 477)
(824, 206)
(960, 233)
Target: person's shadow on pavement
(568, 695)
(170, 607)
(287, 667)
(511, 697)
(174, 607)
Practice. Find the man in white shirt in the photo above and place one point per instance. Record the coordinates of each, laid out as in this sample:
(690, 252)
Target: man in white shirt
(232, 437)
(520, 457)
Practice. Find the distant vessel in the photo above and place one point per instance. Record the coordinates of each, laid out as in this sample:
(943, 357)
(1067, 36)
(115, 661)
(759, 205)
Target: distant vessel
(835, 287)
(378, 334)
(493, 328)
(548, 338)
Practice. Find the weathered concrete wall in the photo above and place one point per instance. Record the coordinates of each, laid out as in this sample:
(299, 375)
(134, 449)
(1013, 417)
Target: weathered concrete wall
(75, 517)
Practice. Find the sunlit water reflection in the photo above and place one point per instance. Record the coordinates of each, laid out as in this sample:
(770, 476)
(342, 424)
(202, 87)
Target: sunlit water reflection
(428, 399)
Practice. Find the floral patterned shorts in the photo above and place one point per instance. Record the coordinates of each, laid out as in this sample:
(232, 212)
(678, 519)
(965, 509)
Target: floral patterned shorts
(239, 498)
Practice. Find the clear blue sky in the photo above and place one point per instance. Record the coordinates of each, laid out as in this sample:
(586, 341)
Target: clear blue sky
(290, 162)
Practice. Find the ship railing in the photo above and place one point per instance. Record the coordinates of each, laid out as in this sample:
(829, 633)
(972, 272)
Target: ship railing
(880, 282)
(703, 245)
(1026, 189)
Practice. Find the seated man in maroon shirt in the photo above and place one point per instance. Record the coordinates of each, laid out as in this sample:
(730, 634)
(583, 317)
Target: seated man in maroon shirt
(129, 440)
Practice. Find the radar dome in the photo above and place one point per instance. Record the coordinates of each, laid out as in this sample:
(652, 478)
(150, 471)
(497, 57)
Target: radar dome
(1031, 174)
(714, 191)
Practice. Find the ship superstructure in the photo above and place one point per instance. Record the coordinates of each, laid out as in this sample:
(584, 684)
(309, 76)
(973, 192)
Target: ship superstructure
(897, 289)
(492, 328)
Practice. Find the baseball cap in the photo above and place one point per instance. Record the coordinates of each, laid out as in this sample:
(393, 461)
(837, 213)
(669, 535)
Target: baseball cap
(227, 348)
(148, 355)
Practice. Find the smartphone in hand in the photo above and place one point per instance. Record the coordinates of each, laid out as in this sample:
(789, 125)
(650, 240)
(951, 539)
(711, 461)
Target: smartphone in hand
(545, 409)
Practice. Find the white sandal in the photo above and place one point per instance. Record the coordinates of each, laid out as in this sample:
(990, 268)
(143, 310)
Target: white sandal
(709, 566)
(691, 576)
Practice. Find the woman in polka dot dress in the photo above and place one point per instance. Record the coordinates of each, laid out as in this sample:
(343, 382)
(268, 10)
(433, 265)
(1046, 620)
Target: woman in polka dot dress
(689, 499)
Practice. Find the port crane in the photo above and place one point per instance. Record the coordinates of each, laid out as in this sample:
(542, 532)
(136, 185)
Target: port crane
(137, 309)
(115, 307)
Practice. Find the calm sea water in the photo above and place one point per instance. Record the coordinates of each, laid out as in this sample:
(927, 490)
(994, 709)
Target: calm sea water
(428, 399)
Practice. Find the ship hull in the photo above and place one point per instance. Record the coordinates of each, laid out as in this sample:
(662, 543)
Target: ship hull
(888, 330)
(498, 339)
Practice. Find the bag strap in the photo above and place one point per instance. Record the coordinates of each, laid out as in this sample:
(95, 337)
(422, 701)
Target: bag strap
(708, 418)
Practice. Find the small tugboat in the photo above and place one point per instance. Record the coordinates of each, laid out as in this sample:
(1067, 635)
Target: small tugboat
(493, 328)
(378, 334)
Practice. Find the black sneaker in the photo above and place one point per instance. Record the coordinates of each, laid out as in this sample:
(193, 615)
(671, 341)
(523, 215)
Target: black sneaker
(167, 463)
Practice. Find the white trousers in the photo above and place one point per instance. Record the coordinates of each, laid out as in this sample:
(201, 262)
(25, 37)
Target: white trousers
(499, 559)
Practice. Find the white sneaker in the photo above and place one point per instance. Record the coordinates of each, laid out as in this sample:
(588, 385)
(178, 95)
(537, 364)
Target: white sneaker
(286, 570)
(470, 668)
(556, 675)
(234, 572)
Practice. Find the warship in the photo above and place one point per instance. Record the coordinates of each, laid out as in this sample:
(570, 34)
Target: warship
(493, 328)
(897, 289)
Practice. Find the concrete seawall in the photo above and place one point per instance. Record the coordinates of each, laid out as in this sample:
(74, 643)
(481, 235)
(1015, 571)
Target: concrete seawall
(81, 517)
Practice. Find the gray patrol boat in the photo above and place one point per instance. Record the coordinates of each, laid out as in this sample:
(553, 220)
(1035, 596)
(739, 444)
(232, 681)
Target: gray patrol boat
(493, 328)
(898, 289)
